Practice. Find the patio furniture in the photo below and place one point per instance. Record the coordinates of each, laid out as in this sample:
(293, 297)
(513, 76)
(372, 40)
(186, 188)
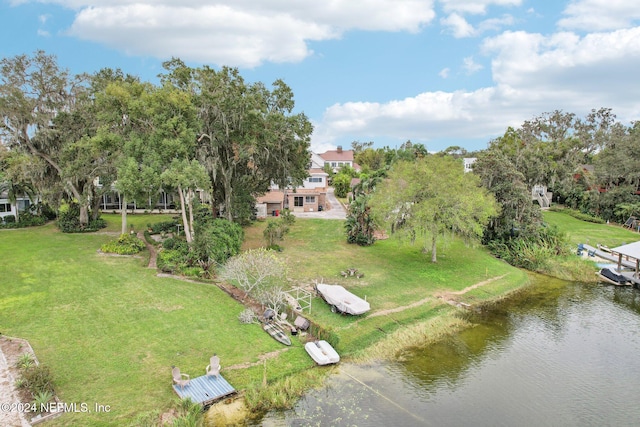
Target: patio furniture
(180, 379)
(213, 368)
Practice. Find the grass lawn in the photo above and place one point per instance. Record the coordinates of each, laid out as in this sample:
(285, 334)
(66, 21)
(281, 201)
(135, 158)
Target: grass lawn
(579, 231)
(110, 329)
(396, 274)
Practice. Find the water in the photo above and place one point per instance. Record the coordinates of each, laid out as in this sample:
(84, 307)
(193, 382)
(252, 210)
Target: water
(561, 355)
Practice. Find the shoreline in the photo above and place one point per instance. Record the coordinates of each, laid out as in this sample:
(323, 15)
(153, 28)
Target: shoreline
(423, 332)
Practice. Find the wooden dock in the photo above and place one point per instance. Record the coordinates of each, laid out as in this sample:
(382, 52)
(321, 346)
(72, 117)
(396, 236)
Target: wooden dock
(205, 389)
(591, 251)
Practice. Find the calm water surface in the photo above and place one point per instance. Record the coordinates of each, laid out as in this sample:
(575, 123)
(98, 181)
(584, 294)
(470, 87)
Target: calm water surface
(562, 355)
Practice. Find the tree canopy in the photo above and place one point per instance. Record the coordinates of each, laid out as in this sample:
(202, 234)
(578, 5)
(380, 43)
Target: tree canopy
(430, 197)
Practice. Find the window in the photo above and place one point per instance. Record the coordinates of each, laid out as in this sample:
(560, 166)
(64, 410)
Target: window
(310, 199)
(315, 179)
(5, 207)
(298, 201)
(334, 164)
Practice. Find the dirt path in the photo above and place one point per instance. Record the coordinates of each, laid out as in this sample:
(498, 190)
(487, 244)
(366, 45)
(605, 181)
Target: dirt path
(444, 295)
(399, 309)
(153, 252)
(261, 359)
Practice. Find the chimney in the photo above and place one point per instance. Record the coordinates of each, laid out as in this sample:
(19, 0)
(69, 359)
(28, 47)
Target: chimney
(339, 148)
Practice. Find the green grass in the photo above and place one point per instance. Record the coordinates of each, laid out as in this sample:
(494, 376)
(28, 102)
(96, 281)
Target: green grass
(396, 274)
(590, 233)
(110, 329)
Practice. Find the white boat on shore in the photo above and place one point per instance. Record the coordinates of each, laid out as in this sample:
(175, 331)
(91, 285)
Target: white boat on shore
(322, 352)
(342, 300)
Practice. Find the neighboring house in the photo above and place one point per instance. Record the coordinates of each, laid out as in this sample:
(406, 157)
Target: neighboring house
(309, 197)
(338, 158)
(468, 163)
(540, 193)
(7, 208)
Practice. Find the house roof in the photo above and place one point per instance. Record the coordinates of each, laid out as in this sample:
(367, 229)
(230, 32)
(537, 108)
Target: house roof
(317, 172)
(338, 155)
(631, 250)
(273, 196)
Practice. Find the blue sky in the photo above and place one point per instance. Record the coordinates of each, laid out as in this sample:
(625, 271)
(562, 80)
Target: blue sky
(438, 72)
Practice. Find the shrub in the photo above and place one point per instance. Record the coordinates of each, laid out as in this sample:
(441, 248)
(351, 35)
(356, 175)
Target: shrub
(69, 220)
(531, 251)
(171, 260)
(275, 231)
(218, 240)
(25, 361)
(41, 398)
(247, 316)
(10, 219)
(27, 219)
(126, 244)
(38, 379)
(163, 226)
(287, 217)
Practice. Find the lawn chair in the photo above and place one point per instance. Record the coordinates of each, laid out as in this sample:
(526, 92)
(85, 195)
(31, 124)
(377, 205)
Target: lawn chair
(180, 379)
(213, 368)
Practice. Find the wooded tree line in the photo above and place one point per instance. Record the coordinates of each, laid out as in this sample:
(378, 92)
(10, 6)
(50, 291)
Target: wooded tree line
(73, 137)
(590, 164)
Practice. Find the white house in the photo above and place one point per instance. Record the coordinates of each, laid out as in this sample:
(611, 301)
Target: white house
(468, 163)
(338, 158)
(7, 208)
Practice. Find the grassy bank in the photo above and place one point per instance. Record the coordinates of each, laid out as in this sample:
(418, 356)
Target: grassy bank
(577, 231)
(110, 329)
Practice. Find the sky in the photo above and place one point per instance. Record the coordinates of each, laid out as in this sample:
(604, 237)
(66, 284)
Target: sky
(438, 72)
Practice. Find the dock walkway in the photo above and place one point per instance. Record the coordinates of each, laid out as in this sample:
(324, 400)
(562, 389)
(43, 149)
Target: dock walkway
(607, 256)
(205, 389)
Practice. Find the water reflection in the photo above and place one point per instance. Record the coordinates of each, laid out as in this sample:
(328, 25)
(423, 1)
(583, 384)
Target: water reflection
(561, 354)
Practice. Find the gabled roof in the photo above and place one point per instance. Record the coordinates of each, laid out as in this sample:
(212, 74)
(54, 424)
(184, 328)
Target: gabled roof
(338, 155)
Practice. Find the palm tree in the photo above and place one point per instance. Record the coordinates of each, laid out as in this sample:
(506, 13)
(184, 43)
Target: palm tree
(14, 191)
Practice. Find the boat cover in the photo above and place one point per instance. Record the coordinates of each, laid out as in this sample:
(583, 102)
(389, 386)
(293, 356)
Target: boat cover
(342, 299)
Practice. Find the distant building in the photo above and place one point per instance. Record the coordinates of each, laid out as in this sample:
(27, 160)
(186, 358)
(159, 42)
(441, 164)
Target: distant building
(309, 197)
(468, 163)
(22, 204)
(338, 158)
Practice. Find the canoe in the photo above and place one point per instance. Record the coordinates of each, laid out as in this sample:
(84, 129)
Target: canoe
(322, 352)
(613, 278)
(277, 333)
(342, 300)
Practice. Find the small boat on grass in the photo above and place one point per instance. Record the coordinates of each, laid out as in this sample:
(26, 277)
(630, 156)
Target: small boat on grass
(322, 352)
(609, 276)
(276, 332)
(341, 300)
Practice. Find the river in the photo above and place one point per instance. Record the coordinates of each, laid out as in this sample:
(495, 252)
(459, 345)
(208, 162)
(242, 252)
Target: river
(560, 354)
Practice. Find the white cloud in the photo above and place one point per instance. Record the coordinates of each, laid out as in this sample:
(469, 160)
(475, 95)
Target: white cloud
(476, 7)
(458, 26)
(444, 73)
(532, 74)
(471, 66)
(43, 33)
(239, 33)
(599, 15)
